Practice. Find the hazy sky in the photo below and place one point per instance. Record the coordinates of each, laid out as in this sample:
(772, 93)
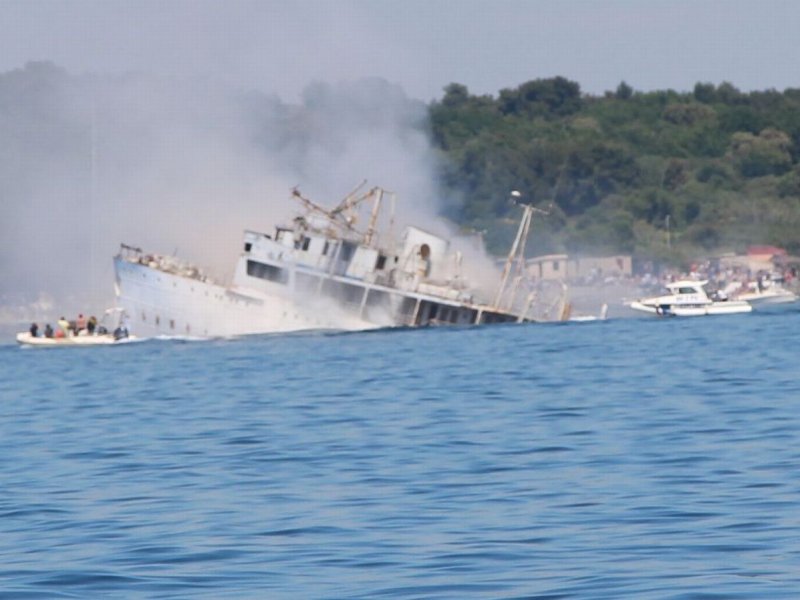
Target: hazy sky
(280, 46)
(182, 164)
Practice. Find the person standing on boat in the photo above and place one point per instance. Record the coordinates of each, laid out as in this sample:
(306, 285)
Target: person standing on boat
(34, 330)
(48, 331)
(91, 325)
(63, 326)
(80, 324)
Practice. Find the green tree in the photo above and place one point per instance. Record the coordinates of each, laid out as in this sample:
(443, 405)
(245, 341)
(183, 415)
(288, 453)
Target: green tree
(554, 97)
(764, 154)
(624, 91)
(720, 164)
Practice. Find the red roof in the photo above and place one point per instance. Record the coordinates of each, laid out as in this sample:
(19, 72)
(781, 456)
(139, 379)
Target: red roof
(762, 250)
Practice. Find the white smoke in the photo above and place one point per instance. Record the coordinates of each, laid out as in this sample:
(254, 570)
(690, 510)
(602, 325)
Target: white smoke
(183, 166)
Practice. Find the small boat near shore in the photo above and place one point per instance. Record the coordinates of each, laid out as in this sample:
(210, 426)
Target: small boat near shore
(688, 298)
(113, 329)
(763, 295)
(101, 339)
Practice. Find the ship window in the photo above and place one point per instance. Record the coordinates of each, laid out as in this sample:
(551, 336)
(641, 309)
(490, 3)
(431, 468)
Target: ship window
(172, 323)
(348, 248)
(306, 242)
(556, 265)
(686, 290)
(381, 262)
(325, 248)
(158, 320)
(346, 293)
(247, 246)
(268, 272)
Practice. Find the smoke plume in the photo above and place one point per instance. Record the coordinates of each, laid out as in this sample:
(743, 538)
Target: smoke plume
(182, 166)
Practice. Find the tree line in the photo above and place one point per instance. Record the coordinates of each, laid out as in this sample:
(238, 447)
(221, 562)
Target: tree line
(662, 175)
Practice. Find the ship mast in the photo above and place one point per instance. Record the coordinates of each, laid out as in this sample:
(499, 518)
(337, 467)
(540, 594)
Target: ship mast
(373, 217)
(517, 252)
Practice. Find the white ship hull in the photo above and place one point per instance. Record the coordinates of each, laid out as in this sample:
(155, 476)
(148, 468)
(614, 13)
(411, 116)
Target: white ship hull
(159, 303)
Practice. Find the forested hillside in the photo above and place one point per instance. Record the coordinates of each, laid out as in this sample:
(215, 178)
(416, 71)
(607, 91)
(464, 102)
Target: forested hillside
(661, 175)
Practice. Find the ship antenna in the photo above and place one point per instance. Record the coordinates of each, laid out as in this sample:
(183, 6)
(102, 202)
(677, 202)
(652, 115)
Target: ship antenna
(92, 196)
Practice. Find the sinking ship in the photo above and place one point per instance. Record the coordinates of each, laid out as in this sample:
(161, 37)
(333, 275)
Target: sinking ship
(323, 272)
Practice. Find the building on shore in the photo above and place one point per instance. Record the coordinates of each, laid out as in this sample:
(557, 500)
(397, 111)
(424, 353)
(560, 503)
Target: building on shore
(593, 269)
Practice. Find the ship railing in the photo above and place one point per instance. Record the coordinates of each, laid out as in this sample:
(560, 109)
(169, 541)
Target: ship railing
(129, 252)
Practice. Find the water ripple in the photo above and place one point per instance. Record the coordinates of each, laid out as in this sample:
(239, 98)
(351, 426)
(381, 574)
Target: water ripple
(632, 459)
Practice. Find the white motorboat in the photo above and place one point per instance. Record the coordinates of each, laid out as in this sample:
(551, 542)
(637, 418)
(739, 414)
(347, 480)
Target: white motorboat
(324, 273)
(688, 298)
(762, 294)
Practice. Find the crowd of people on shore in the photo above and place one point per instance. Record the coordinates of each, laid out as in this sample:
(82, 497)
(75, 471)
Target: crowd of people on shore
(730, 279)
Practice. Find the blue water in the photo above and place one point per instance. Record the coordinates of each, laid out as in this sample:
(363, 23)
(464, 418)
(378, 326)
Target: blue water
(618, 459)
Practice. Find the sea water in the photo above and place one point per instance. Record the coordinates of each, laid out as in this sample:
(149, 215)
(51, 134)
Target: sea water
(616, 459)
